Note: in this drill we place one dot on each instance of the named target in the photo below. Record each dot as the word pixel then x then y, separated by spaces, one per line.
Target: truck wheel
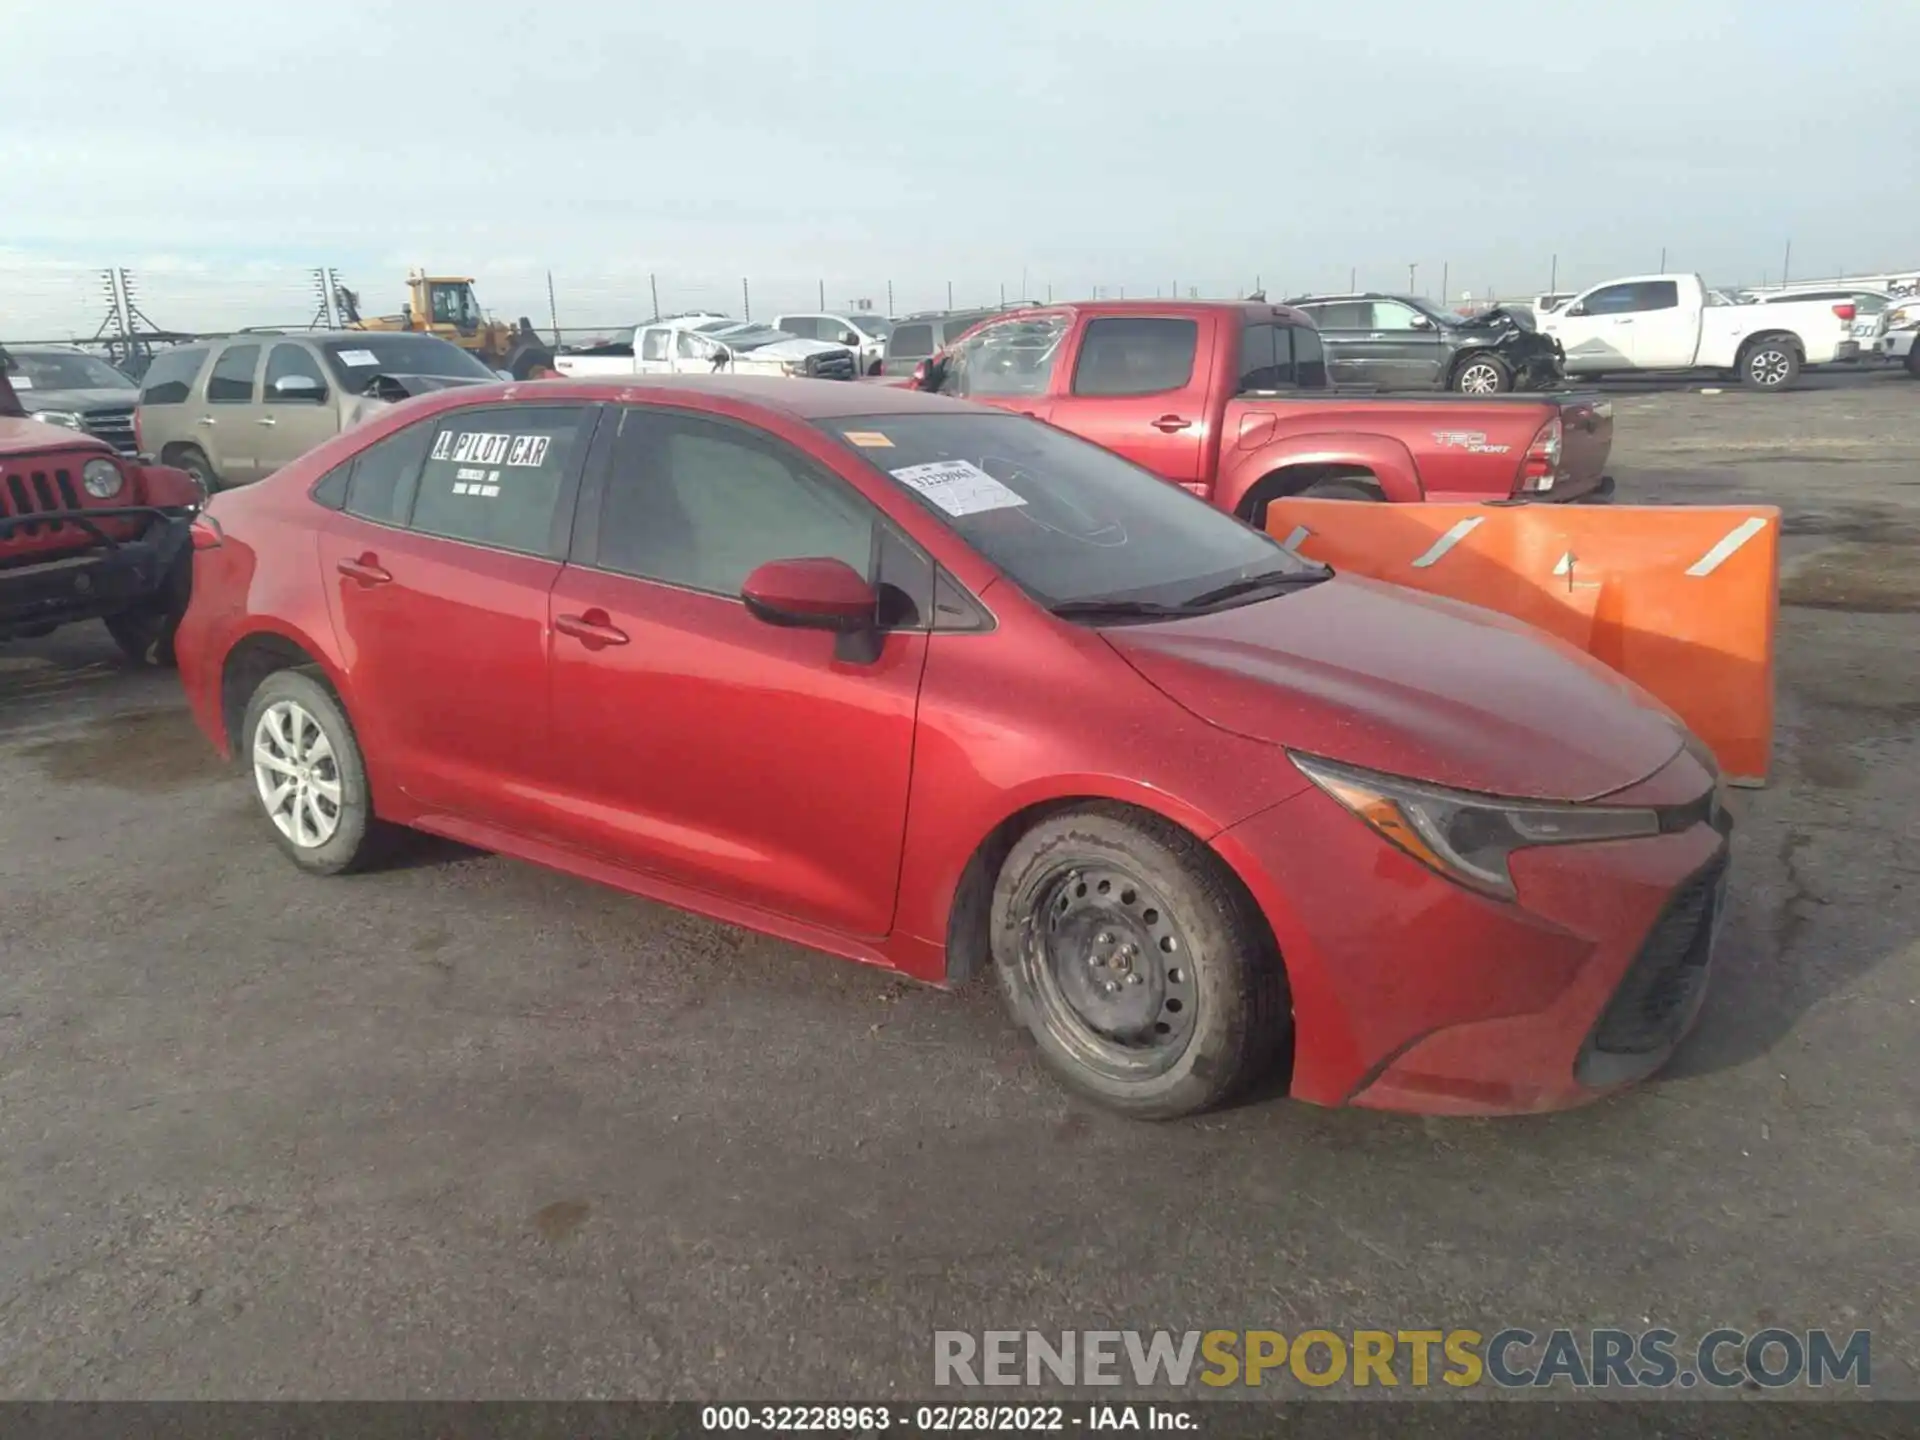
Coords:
pixel 301 753
pixel 193 460
pixel 1138 964
pixel 1483 375
pixel 1913 362
pixel 1339 490
pixel 1769 363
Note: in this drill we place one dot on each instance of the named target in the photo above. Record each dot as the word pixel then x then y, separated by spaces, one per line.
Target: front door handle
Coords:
pixel 595 629
pixel 367 569
pixel 269 420
pixel 204 420
pixel 1167 424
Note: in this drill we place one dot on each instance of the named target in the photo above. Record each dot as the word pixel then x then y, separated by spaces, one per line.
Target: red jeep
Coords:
pixel 86 533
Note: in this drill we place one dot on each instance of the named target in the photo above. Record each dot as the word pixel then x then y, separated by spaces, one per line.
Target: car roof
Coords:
pixel 795 398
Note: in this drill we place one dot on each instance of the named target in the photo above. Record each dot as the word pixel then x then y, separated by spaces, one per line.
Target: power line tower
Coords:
pixel 127 345
pixel 326 289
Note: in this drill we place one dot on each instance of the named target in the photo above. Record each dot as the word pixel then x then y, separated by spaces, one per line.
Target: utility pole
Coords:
pixel 553 311
pixel 1663 259
pixel 653 284
pixel 1787 263
pixel 949 295
pixel 1410 269
pixel 1023 284
pixel 823 294
pixel 1353 280
pixel 1049 292
pixel 1003 294
pixel 889 299
pixel 1446 270
pixel 746 300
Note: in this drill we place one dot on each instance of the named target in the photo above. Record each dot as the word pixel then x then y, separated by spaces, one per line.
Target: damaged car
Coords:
pixel 1401 342
pixel 87 533
pixel 231 411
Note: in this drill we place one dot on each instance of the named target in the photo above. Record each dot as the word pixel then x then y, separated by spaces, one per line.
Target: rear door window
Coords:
pixel 1342 314
pixel 805 326
pixel 1135 355
pixel 497 477
pixel 231 382
pixel 653 344
pixel 1280 357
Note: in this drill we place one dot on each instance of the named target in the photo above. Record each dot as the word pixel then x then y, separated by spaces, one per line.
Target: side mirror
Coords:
pixel 811 594
pixel 299 387
pixel 922 373
pixel 1421 322
pixel 1574 310
pixel 847 337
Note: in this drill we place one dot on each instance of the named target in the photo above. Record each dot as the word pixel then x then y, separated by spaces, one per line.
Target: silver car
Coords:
pixel 234 410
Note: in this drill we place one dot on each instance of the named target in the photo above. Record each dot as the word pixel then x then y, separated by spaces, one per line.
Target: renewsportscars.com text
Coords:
pixel 1509 1358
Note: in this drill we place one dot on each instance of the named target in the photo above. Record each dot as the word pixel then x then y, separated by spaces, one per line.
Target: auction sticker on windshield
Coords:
pixel 355 358
pixel 958 487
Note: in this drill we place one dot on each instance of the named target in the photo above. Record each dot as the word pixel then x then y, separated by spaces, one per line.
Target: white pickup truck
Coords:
pixel 710 344
pixel 1673 322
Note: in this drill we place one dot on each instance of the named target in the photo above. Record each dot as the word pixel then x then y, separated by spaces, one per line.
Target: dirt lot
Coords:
pixel 466 1128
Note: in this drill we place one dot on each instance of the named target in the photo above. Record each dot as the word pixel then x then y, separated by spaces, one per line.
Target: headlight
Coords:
pixel 102 478
pixel 68 418
pixel 793 367
pixel 1466 837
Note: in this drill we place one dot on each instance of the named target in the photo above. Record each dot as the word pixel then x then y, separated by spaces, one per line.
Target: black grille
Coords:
pixel 36 492
pixel 1656 998
pixel 113 424
pixel 833 365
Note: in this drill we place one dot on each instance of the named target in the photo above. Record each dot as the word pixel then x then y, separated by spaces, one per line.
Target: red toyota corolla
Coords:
pixel 936 687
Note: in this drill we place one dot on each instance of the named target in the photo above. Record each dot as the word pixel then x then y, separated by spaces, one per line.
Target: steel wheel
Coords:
pixel 1480 378
pixel 297 774
pixel 1769 367
pixel 1108 962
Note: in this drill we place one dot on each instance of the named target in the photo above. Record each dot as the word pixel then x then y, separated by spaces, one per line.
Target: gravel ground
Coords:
pixel 464 1128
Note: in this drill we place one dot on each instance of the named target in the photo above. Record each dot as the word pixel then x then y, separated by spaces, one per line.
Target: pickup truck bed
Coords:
pixel 1230 400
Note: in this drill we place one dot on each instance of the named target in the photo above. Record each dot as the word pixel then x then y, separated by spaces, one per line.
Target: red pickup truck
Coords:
pixel 1231 401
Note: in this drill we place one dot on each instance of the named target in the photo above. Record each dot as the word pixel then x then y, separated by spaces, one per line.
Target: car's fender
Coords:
pixel 1390 461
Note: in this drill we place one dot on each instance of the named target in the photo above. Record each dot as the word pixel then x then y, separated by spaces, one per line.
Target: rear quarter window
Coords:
pixel 169 379
pixel 911 342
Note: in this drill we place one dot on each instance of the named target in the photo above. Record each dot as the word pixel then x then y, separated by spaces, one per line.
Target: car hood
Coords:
pixel 30 437
pixel 81 400
pixel 1410 684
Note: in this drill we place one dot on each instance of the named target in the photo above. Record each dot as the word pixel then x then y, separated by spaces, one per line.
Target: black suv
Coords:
pixel 1397 342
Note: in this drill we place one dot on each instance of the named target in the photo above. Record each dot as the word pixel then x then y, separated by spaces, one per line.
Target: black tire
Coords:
pixel 1340 490
pixel 1769 363
pixel 145 635
pixel 193 460
pixel 358 839
pixel 1490 375
pixel 1159 995
pixel 1913 362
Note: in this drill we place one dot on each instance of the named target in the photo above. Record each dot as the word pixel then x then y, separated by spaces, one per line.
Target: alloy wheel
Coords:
pixel 297 774
pixel 1479 380
pixel 1769 367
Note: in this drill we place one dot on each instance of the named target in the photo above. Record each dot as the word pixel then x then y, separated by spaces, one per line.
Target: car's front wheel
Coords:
pixel 308 774
pixel 1483 375
pixel 1138 963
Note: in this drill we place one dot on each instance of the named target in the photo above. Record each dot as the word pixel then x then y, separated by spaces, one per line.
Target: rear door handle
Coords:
pixel 595 629
pixel 367 570
pixel 1167 424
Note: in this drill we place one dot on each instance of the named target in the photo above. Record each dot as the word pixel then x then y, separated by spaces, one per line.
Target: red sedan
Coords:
pixel 937 687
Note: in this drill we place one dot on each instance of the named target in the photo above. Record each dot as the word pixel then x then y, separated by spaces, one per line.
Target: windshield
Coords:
pixel 877 326
pixel 1065 520
pixel 749 337
pixel 57 370
pixel 358 360
pixel 714 327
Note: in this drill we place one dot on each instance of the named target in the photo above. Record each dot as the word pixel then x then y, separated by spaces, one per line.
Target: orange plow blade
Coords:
pixel 1680 599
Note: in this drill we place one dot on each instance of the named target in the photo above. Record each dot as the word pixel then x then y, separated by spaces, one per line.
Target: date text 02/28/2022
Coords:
pixel 945 1419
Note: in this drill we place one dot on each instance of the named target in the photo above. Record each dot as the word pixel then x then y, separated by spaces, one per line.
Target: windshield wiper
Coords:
pixel 1275 580
pixel 1097 609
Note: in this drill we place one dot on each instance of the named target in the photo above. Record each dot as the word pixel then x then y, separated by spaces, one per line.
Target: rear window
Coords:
pixel 910 342
pixel 1280 357
pixel 169 379
pixel 1135 355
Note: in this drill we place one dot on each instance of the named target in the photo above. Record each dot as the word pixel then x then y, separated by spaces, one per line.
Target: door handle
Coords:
pixel 204 420
pixel 1167 424
pixel 367 570
pixel 269 420
pixel 1623 320
pixel 595 629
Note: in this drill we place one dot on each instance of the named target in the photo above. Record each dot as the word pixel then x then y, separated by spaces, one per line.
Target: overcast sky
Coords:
pixel 1126 142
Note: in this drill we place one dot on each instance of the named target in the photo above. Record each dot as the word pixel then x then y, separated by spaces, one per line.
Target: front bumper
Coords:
pixel 104 579
pixel 1897 344
pixel 1412 993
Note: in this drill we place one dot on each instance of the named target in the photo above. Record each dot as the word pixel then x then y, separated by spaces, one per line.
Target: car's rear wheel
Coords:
pixel 1769 363
pixel 1138 963
pixel 1483 375
pixel 308 774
